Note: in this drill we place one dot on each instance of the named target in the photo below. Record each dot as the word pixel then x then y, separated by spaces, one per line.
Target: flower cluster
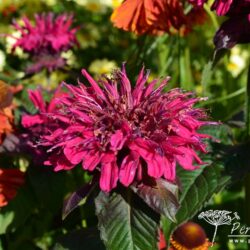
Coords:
pixel 46 40
pixel 125 134
pixel 156 17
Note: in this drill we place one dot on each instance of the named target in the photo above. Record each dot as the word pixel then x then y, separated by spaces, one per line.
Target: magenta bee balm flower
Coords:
pixel 46 40
pixel 126 134
pixel 222 6
pixel 40 124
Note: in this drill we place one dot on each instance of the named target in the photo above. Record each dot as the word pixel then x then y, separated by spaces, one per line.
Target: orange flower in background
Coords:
pixel 5 95
pixel 197 16
pixel 162 244
pixel 150 16
pixel 10 181
pixel 6 116
pixel 6 122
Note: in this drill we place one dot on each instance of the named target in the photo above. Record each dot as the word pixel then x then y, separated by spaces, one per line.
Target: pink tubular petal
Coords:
pixel 128 169
pixel 54 136
pixel 126 89
pixel 147 151
pixel 222 6
pixel 31 120
pixel 156 166
pixel 74 151
pixel 94 84
pixel 140 83
pixel 117 140
pixel 186 160
pixel 59 162
pixel 170 169
pixel 37 99
pixel 109 176
pixel 91 160
pixel 142 147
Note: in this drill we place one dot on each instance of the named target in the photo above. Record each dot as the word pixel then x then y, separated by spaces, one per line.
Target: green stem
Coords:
pixel 212 16
pixel 247 178
pixel 248 105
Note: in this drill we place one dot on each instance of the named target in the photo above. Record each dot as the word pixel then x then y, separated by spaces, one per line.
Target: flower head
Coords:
pixel 10 181
pixel 151 16
pixel 126 134
pixel 46 39
pixel 190 236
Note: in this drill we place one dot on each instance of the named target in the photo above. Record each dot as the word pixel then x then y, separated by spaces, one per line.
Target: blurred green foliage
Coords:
pixel 33 219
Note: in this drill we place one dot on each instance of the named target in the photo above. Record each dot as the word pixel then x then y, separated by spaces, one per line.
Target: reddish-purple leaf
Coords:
pixel 162 198
pixel 75 198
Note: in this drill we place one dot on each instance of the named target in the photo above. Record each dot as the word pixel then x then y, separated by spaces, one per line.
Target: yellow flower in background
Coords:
pixel 2 60
pixel 10 41
pixel 69 57
pixel 51 82
pixel 102 66
pixel 89 37
pixel 237 61
pixel 95 5
pixel 50 2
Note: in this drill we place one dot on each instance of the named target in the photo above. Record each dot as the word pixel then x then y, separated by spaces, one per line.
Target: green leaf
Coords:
pixel 198 187
pixel 163 197
pixel 5 221
pixel 126 222
pixel 222 133
pixel 186 78
pixel 206 77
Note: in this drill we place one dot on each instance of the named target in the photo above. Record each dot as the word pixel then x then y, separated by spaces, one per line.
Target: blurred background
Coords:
pixel 32 220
